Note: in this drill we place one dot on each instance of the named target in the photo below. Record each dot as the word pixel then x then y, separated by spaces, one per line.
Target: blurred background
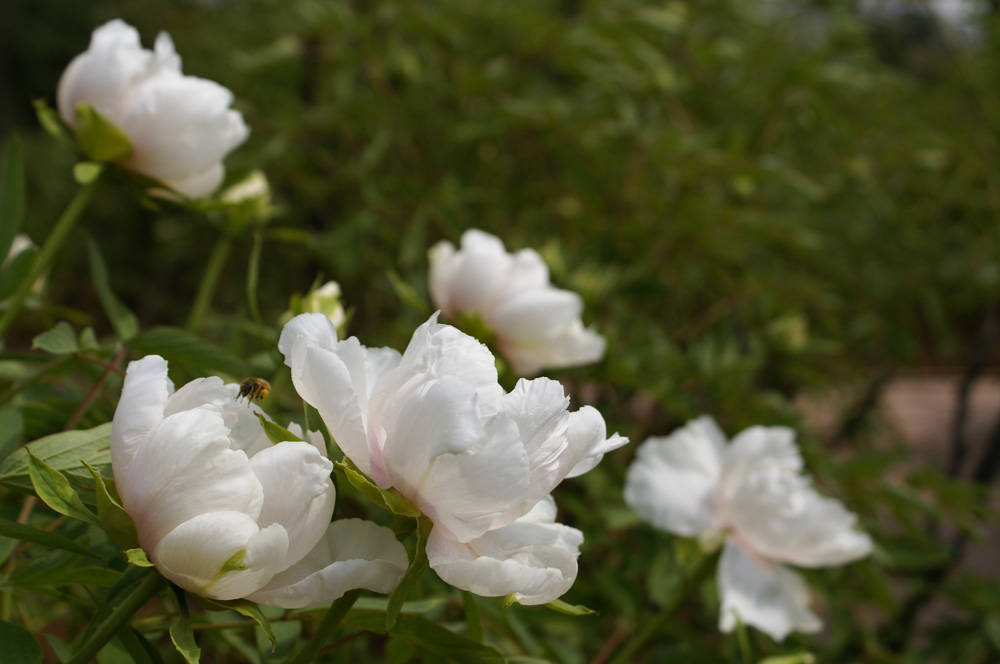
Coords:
pixel 778 212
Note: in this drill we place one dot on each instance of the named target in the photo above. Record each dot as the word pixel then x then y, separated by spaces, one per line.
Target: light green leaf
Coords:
pixel 137 557
pixel 181 633
pixel 86 172
pixel 11 193
pixel 178 346
pixel 19 646
pixel 275 432
pixel 114 519
pixel 53 488
pixel 570 609
pixel 65 452
pixel 60 340
pixel 388 499
pixel 416 569
pixel 122 320
pixel 99 138
pixel 51 122
pixel 798 658
pixel 43 537
pixel 246 608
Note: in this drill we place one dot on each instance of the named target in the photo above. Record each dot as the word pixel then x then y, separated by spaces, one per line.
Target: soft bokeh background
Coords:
pixel 774 210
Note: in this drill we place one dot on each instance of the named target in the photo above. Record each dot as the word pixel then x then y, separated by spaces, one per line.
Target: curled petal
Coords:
pixel 588 437
pixel 672 482
pixel 352 554
pixel 769 596
pixel 221 555
pixel 144 395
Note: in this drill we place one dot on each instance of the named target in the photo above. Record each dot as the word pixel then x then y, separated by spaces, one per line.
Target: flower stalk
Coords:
pixel 119 617
pixel 209 281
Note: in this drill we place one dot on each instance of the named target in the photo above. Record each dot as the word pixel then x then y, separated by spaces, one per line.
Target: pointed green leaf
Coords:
pixel 253 276
pixel 570 609
pixel 63 452
pixel 138 646
pixel 51 122
pixel 86 172
pixel 116 522
pixel 60 340
pixel 388 499
pixel 416 569
pixel 43 537
pixel 19 646
pixel 122 320
pixel 406 293
pixel 11 193
pixel 275 432
pixel 99 138
pixel 181 633
pixel 138 558
pixel 17 269
pixel 246 608
pixel 53 488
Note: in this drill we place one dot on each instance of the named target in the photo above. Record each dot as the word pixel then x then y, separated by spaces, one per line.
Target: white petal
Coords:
pixel 193 554
pixel 672 482
pixel 535 314
pixel 588 438
pixel 526 272
pixel 144 395
pixel 198 184
pixel 442 264
pixel 569 346
pixel 768 596
pixel 535 561
pixel 460 469
pixel 470 276
pixel 756 447
pixel 352 554
pixel 304 506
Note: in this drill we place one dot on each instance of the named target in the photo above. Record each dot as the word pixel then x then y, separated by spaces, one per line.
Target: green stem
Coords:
pixel 325 629
pixel 123 612
pixel 56 238
pixel 209 280
pixel 683 589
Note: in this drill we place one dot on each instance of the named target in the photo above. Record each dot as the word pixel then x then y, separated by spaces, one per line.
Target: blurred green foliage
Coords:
pixel 755 204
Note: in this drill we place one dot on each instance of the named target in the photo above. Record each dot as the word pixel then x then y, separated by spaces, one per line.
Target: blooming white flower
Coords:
pixel 435 424
pixel 180 126
pixel 692 483
pixel 536 325
pixel 224 513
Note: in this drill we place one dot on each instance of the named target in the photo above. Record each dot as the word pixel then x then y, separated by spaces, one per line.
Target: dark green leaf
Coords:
pixel 99 138
pixel 17 269
pixel 473 617
pixel 66 451
pixel 64 576
pixel 176 345
pixel 19 646
pixel 123 321
pixel 138 646
pixel 253 275
pixel 60 340
pixel 416 569
pixel 43 537
pixel 387 499
pixel 11 194
pixel 434 641
pixel 246 608
pixel 53 488
pixel 275 432
pixel 116 522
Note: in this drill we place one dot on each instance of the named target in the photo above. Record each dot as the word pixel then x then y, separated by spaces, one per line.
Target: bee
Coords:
pixel 254 389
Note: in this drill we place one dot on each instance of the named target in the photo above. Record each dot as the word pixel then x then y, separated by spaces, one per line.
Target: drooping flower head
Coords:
pixel 181 127
pixel 214 506
pixel 536 325
pixel 435 424
pixel 752 491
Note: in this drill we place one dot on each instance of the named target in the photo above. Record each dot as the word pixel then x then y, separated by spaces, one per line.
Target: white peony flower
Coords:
pixel 223 512
pixel 692 483
pixel 536 325
pixel 435 424
pixel 180 126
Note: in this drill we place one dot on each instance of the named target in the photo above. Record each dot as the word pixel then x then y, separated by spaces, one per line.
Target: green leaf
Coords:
pixel 798 658
pixel 138 646
pixel 63 575
pixel 11 429
pixel 246 608
pixel 181 633
pixel 99 138
pixel 406 294
pixel 137 557
pixel 473 617
pixel 570 609
pixel 275 432
pixel 65 452
pixel 86 172
pixel 53 488
pixel 388 499
pixel 19 646
pixel 253 276
pixel 435 642
pixel 416 569
pixel 178 346
pixel 60 340
pixel 116 522
pixel 122 320
pixel 51 122
pixel 43 537
pixel 17 270
pixel 11 193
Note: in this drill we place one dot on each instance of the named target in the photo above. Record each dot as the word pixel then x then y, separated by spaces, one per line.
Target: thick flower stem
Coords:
pixel 209 280
pixel 654 625
pixel 56 238
pixel 326 628
pixel 119 617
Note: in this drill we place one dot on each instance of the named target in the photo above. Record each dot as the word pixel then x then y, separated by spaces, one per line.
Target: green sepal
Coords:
pixel 181 632
pixel 55 490
pixel 388 499
pixel 99 138
pixel 275 432
pixel 509 600
pixel 86 172
pixel 417 567
pixel 246 608
pixel 114 519
pixel 570 609
pixel 137 557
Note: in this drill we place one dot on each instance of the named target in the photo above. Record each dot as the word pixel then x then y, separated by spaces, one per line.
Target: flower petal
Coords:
pixel 588 436
pixel 465 280
pixel 672 482
pixel 195 554
pixel 304 506
pixel 352 554
pixel 771 597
